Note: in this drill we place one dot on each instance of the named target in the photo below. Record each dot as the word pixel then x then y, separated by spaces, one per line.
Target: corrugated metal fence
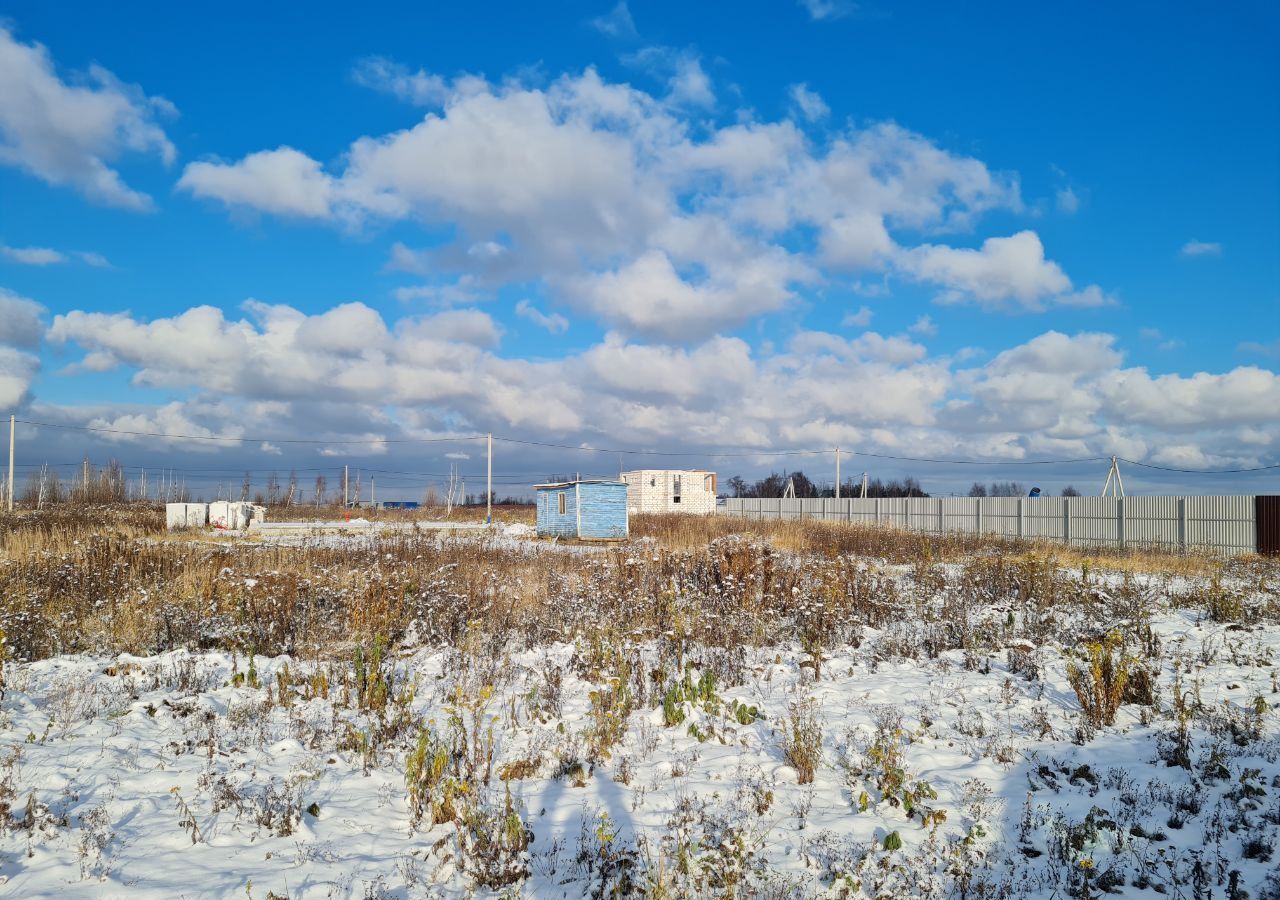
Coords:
pixel 1224 525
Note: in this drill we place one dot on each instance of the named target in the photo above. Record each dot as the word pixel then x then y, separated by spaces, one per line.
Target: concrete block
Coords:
pixel 220 514
pixel 185 515
pixel 197 515
pixel 175 515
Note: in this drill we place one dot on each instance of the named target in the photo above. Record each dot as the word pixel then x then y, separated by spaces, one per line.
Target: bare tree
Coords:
pixel 321 490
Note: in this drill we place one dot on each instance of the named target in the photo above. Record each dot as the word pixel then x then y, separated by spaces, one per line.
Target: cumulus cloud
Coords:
pixel 283 182
pixel 20 323
pixel 627 207
pixel 68 134
pixel 17 372
pixel 1056 394
pixel 649 297
pixel 1002 273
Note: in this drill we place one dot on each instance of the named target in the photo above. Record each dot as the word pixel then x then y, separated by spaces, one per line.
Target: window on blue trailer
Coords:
pixel 561 496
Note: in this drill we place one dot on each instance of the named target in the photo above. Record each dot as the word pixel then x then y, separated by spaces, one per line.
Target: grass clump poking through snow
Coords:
pixel 802 739
pixel 1100 680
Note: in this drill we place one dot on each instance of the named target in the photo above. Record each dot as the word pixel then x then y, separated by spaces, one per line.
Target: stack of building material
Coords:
pixel 235 516
pixel 186 515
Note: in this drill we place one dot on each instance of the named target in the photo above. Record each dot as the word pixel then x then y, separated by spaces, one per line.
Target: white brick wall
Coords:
pixel 655 490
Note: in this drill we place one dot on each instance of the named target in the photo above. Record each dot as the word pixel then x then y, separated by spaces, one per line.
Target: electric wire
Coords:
pixel 611 450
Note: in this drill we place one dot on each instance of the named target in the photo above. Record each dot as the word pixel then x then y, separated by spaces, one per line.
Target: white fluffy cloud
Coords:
pixel 627 206
pixel 1056 394
pixel 17 372
pixel 68 134
pixel 283 182
pixel 1004 270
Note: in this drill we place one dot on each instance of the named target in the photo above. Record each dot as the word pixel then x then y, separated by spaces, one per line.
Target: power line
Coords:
pixel 1198 471
pixel 981 462
pixel 250 440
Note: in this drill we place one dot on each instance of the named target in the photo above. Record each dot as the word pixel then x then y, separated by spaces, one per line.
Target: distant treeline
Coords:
pixel 775 484
pixel 1010 489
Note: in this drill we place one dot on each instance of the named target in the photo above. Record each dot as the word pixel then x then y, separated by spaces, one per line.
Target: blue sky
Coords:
pixel 1002 233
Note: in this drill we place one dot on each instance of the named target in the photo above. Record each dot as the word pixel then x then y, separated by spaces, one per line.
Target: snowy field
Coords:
pixel 923 738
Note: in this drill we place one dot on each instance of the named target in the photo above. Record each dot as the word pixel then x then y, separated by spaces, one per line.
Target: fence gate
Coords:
pixel 1267 512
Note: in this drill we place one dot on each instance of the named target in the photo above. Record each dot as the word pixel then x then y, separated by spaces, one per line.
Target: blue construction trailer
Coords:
pixel 592 510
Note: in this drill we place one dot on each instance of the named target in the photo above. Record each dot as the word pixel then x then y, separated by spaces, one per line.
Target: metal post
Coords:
pixel 1120 520
pixel 373 491
pixel 837 473
pixel 488 494
pixel 1182 523
pixel 12 427
pixel 977 506
pixel 1066 520
pixel 1021 513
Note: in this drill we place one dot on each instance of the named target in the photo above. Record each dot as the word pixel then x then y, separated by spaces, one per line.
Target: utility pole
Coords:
pixel 837 473
pixel 864 485
pixel 373 491
pixel 1118 490
pixel 12 426
pixel 488 494
pixel 345 495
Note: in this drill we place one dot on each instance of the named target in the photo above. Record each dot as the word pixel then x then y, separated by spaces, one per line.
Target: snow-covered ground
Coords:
pixel 967 774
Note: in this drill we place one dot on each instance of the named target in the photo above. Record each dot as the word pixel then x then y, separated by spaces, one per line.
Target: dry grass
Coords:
pixel 110 579
pixel 899 545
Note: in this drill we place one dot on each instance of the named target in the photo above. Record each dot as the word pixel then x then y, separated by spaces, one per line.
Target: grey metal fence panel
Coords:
pixel 999 515
pixel 1043 517
pixel 959 514
pixel 1225 522
pixel 1152 522
pixel 1095 521
pixel 1215 524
